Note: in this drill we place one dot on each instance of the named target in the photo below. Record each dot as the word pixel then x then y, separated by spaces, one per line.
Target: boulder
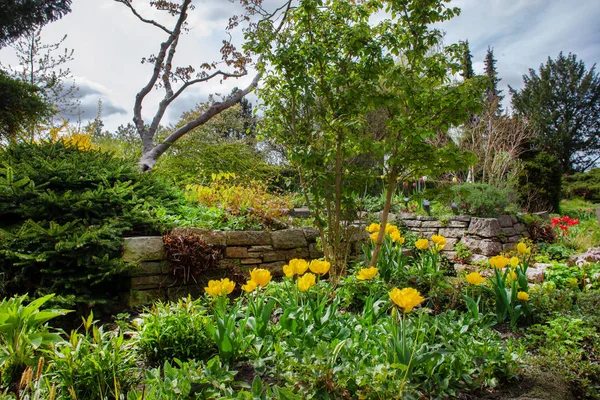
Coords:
pixel 484 227
pixel 505 221
pixel 249 238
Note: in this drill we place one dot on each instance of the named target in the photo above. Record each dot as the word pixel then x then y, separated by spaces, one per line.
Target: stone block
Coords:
pixel 255 254
pixel 412 223
pixel 236 252
pixel 213 238
pixel 276 267
pixel 357 233
pixel 310 233
pixel 286 255
pixel 149 268
pixel 137 298
pixel 151 281
pixel 451 256
pixel 519 228
pixel 407 216
pixel 452 232
pixel 431 224
pixel 461 218
pixel 143 248
pixel 505 221
pixel 300 212
pixel 175 293
pixel 514 239
pixel 288 239
pixel 484 227
pixel 248 261
pixel 458 224
pixel 259 248
pixel 509 231
pixel 248 238
pixel 450 243
pixel 314 252
pixel 426 218
pixel 490 247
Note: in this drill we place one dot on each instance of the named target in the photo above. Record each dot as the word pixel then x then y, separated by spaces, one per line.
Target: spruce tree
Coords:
pixel 493 96
pixel 467 62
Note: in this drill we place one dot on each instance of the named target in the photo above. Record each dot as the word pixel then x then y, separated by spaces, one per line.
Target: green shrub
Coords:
pixel 480 199
pixel 63 213
pixel 540 183
pixel 583 184
pixel 174 330
pixel 96 365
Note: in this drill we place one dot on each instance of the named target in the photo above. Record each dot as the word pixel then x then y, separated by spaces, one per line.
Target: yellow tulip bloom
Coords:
pixel 374 236
pixel 523 296
pixel 221 287
pixel 261 276
pixel 422 244
pixel 438 239
pixel 249 286
pixel 397 237
pixel 319 267
pixel 367 273
pixel 299 266
pixel 523 249
pixel 514 261
pixel 475 278
pixel 407 298
pixel 288 270
pixel 373 228
pixel 498 262
pixel 306 281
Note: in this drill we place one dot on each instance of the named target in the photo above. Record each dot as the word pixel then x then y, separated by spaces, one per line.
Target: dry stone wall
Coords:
pixel 484 237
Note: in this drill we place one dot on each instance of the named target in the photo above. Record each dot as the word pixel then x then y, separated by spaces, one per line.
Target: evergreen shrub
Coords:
pixel 480 200
pixel 63 214
pixel 540 183
pixel 585 185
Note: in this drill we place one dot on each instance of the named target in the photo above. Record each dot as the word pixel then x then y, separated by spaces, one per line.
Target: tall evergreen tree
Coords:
pixel 467 61
pixel 493 95
pixel 562 103
pixel 22 16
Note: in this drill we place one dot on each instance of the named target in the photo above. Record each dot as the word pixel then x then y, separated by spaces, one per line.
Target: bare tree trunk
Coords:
pixel 384 216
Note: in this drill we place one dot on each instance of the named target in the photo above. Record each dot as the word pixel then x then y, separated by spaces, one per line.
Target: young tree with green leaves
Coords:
pixel 561 102
pixel 330 68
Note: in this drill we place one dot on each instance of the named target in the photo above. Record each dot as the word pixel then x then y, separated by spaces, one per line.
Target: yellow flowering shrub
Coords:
pixel 367 273
pixel 406 299
pixel 475 278
pixel 221 287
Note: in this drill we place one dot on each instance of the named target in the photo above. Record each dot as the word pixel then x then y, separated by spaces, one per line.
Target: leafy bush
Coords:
pixel 96 365
pixel 480 199
pixel 23 334
pixel 585 185
pixel 63 213
pixel 174 330
pixel 540 183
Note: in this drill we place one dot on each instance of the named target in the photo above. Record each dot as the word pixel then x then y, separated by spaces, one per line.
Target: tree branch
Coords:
pixel 147 21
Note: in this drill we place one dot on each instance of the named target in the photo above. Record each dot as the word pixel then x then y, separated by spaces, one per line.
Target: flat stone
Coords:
pixel 452 232
pixel 412 223
pixel 458 224
pixel 236 252
pixel 407 216
pixel 519 228
pixel 477 258
pixel 151 281
pixel 514 239
pixel 248 238
pixel 536 275
pixel 461 218
pixel 451 256
pixel 210 237
pixel 286 255
pixel 300 212
pixel 427 232
pixel 450 243
pixel 510 231
pixel 426 218
pixel 484 227
pixel 288 239
pixel 314 252
pixel 310 233
pixel 255 254
pixel 260 248
pixel 276 268
pixel 149 268
pixel 490 247
pixel 431 224
pixel 143 248
pixel 246 261
pixel 505 221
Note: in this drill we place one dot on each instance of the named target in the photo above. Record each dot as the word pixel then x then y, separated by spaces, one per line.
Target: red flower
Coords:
pixel 565 219
pixel 573 222
pixel 555 221
pixel 564 227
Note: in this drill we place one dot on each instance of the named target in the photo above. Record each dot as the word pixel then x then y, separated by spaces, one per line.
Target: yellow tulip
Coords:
pixel 299 266
pixel 249 286
pixel 319 267
pixel 422 244
pixel 397 237
pixel 523 249
pixel 498 262
pixel 373 228
pixel 261 276
pixel 438 239
pixel 389 228
pixel 511 276
pixel 407 298
pixel 374 236
pixel 306 281
pixel 221 287
pixel 475 278
pixel 514 261
pixel 288 270
pixel 523 296
pixel 367 273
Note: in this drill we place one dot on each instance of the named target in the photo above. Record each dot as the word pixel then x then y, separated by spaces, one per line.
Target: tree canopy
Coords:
pixel 22 16
pixel 562 103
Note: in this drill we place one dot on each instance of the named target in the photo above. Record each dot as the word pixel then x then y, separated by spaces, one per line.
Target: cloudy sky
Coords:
pixel 109 42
